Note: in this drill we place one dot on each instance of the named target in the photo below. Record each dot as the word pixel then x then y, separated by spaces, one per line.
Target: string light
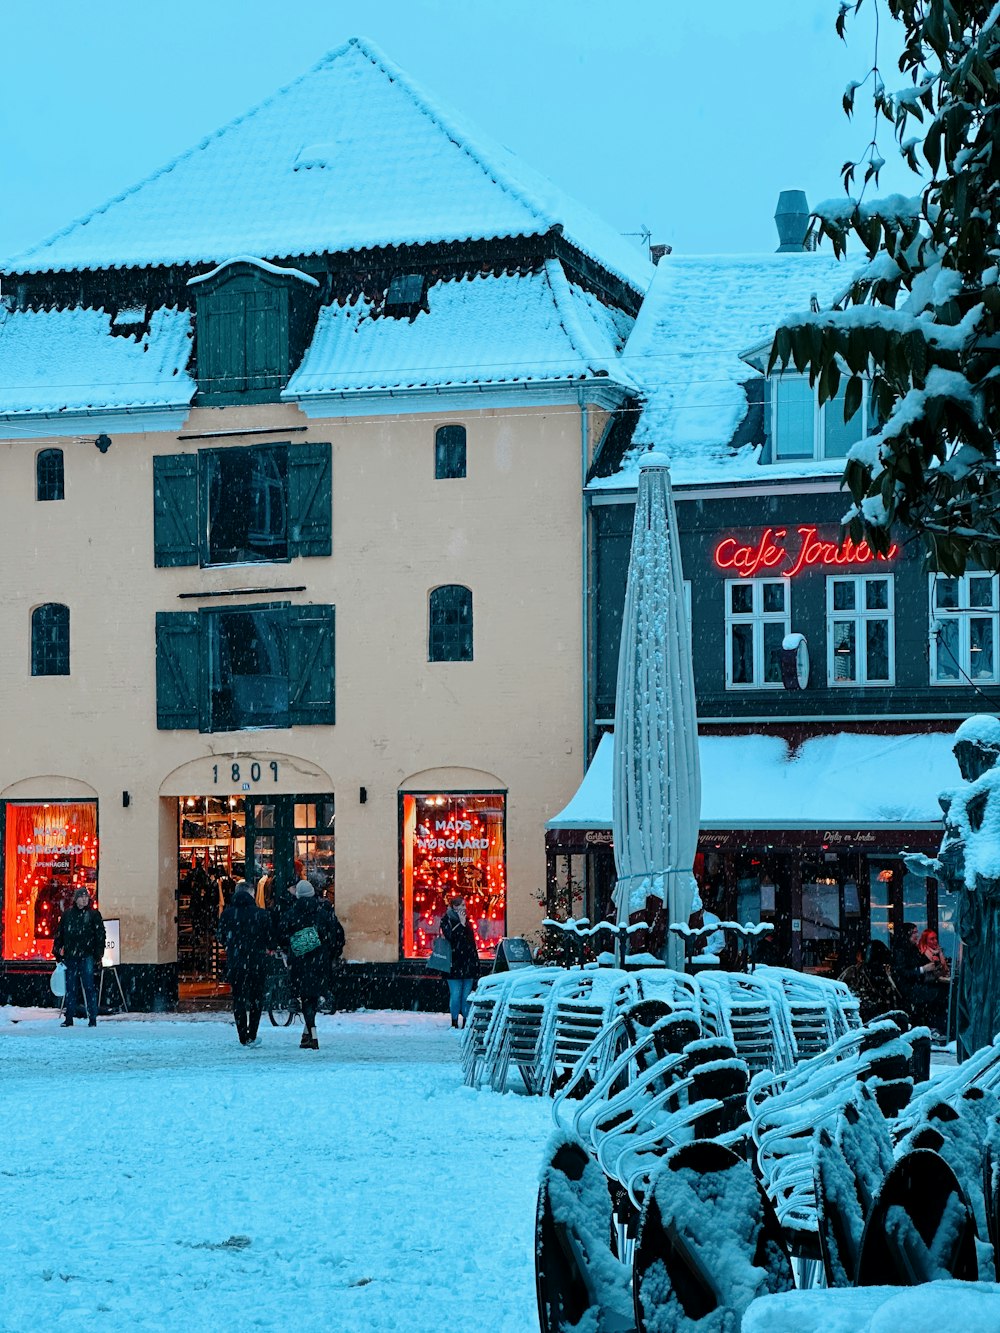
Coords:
pixel 50 853
pixel 459 850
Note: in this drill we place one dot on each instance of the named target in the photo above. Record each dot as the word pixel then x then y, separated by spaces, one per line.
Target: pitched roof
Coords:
pixel 69 361
pixel 511 328
pixel 349 156
pixel 700 313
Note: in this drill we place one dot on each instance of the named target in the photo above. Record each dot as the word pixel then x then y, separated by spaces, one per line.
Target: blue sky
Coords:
pixel 684 118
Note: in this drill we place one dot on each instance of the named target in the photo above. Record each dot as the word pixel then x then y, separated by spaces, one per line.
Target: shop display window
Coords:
pixel 50 850
pixel 453 844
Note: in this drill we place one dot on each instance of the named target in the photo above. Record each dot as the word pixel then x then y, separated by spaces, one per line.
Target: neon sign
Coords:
pixel 770 555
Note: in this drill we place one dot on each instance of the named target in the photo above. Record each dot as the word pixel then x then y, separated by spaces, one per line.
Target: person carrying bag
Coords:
pixel 463 961
pixel 308 936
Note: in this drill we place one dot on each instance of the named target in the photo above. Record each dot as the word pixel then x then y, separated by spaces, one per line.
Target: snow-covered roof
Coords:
pixel 845 780
pixel 69 361
pixel 700 314
pixel 511 328
pixel 351 155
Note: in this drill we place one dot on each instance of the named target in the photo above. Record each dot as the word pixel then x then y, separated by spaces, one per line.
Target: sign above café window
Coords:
pixel 778 552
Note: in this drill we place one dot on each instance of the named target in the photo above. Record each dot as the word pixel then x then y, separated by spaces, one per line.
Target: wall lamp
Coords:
pixel 362 795
pixel 103 442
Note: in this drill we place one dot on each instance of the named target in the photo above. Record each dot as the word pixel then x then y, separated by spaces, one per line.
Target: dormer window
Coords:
pixel 405 293
pixel 251 327
pixel 801 428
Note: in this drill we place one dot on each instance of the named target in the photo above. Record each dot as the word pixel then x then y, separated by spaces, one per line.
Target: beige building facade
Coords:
pixel 294 438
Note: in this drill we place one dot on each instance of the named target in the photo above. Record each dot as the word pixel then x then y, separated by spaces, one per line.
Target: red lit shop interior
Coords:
pixel 813 839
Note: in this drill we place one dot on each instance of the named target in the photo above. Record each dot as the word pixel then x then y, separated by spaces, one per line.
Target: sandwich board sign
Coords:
pixel 512 952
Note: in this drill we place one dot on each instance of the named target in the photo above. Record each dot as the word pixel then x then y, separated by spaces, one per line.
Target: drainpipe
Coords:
pixel 584 570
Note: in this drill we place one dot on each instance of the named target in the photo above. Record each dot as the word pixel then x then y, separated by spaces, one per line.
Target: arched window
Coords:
pixel 50 640
pixel 449 452
pixel 49 482
pixel 449 637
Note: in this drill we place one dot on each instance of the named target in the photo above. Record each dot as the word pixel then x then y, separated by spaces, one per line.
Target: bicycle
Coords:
pixel 283 1008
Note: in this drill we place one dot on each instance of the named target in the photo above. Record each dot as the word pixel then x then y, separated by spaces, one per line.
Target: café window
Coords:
pixel 453 844
pixel 242 505
pixel 964 615
pixel 49 478
pixel 860 641
pixel 802 428
pixel 757 620
pixel 50 850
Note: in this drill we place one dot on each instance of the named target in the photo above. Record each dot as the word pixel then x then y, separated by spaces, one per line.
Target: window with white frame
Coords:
pixel 801 428
pixel 964 629
pixel 860 642
pixel 757 620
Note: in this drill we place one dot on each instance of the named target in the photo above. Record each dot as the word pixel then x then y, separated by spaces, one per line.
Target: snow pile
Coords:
pixel 700 314
pixel 403 171
pixel 974 1307
pixel 69 361
pixel 846 779
pixel 157 1175
pixel 476 331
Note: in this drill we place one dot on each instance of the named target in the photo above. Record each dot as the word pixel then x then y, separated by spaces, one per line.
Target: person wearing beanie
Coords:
pixel 79 943
pixel 307 934
pixel 245 934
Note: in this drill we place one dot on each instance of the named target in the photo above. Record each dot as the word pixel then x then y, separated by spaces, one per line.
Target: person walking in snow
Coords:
pixel 245 934
pixel 307 934
pixel 464 959
pixel 79 943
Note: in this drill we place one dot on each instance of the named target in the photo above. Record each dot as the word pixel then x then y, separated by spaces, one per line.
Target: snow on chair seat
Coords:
pixel 785 1110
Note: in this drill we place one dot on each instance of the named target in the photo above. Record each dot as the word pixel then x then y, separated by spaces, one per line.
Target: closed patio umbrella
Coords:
pixel 657 782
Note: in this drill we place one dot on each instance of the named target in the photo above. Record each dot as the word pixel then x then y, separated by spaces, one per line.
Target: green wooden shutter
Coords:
pixel 310 499
pixel 222 365
pixel 266 338
pixel 311 665
pixel 175 510
pixel 177 670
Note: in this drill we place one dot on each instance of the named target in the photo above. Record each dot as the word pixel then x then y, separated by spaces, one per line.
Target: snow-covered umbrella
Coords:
pixel 657 780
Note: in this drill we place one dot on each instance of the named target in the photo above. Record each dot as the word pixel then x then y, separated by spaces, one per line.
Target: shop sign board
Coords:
pixel 512 953
pixel 113 943
pixel 774 552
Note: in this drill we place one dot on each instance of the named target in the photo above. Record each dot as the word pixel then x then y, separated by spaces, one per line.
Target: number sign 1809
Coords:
pixel 244 771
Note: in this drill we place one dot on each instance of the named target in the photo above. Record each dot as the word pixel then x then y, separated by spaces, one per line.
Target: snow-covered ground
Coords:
pixel 156 1175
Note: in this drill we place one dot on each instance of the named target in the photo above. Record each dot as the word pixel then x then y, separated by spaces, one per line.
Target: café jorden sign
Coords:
pixel 780 551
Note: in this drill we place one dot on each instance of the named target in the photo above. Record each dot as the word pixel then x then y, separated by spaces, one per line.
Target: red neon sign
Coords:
pixel 768 555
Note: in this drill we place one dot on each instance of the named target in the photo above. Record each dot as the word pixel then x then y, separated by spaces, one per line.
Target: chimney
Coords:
pixel 792 220
pixel 656 252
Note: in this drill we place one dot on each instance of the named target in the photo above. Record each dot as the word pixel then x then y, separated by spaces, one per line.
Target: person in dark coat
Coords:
pixel 245 934
pixel 871 981
pixel 912 973
pixel 464 959
pixel 79 943
pixel 307 933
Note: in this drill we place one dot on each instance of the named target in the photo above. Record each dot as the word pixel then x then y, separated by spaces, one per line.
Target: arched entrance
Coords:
pixel 262 816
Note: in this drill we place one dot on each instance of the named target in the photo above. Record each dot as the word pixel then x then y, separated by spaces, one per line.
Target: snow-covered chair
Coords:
pixel 819 1009
pixel 752 1014
pixel 580 1006
pixel 516 1035
pixel 981 1070
pixel 482 1024
pixel 786 1108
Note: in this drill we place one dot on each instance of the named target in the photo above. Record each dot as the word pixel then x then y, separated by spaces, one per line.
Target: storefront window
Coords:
pixel 821 923
pixel 49 851
pixel 453 844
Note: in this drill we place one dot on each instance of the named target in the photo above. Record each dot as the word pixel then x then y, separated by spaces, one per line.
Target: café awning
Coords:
pixel 844 780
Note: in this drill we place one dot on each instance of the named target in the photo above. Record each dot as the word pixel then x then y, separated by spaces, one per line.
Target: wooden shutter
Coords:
pixel 175 510
pixel 310 499
pixel 222 366
pixel 311 665
pixel 266 338
pixel 177 670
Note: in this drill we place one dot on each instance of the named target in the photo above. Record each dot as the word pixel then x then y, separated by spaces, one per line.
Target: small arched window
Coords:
pixel 449 452
pixel 50 640
pixel 49 480
pixel 449 637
